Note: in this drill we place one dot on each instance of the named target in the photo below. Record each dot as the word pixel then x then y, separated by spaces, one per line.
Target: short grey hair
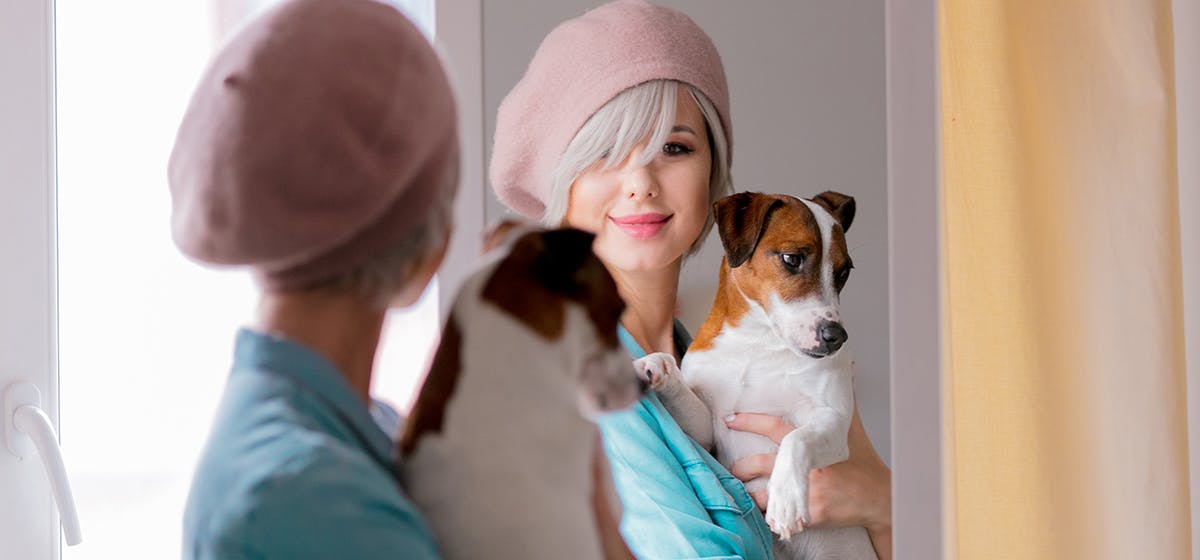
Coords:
pixel 382 277
pixel 643 111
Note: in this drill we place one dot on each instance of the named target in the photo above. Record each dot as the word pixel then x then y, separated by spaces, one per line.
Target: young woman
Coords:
pixel 319 150
pixel 621 127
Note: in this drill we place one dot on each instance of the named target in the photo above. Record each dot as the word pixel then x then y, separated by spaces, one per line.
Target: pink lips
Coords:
pixel 641 225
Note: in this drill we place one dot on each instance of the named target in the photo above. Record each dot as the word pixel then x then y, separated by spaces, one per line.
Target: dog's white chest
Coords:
pixel 777 382
pixel 740 375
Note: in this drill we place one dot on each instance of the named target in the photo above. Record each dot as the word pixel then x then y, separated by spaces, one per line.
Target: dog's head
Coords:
pixel 789 257
pixel 552 283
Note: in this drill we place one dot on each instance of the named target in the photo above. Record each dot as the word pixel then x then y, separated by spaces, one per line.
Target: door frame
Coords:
pixel 914 255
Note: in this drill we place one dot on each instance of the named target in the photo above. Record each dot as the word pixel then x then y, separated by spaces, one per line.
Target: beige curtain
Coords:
pixel 1065 389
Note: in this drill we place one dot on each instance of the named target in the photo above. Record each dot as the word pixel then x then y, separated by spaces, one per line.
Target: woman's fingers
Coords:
pixel 854 492
pixel 773 427
pixel 751 467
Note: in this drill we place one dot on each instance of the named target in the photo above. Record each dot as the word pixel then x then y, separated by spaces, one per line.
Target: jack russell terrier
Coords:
pixel 773 343
pixel 499 453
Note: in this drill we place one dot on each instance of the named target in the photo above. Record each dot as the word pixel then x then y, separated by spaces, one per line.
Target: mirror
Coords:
pixel 807 90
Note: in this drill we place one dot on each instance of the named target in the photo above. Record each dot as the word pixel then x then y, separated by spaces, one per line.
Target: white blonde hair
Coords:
pixel 645 111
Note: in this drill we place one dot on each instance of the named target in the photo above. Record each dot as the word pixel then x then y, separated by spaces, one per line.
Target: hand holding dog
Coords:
pixel 855 492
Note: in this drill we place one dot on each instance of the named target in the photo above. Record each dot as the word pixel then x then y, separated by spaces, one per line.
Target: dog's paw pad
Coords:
pixel 657 369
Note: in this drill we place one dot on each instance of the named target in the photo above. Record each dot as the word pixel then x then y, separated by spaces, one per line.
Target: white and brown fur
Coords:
pixel 773 343
pixel 499 453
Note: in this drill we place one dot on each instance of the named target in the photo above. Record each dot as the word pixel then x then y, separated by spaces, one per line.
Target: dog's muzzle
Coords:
pixel 830 338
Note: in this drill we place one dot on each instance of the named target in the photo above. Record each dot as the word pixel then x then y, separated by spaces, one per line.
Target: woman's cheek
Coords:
pixel 584 208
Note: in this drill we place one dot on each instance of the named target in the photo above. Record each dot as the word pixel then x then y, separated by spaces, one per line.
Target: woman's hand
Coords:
pixel 855 492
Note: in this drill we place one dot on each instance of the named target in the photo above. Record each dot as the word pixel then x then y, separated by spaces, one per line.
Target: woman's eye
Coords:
pixel 792 260
pixel 676 149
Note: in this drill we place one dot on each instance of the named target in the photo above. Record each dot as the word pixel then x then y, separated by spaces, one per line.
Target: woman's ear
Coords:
pixel 740 218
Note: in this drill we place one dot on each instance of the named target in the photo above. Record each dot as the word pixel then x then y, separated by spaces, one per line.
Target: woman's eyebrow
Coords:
pixel 682 128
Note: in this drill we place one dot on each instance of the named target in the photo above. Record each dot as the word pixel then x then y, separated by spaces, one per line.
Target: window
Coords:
pixel 146 336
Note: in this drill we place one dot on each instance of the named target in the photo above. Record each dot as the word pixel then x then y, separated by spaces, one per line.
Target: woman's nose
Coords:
pixel 640 183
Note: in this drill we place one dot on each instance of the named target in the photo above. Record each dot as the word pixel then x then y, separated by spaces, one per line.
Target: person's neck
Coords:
pixel 650 306
pixel 343 329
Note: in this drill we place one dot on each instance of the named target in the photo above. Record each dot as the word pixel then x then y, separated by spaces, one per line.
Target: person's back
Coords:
pixel 296 468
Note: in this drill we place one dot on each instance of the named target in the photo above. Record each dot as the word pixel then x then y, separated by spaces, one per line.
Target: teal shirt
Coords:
pixel 295 468
pixel 678 501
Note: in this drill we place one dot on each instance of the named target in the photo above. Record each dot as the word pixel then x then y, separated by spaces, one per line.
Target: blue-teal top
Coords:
pixel 679 501
pixel 296 468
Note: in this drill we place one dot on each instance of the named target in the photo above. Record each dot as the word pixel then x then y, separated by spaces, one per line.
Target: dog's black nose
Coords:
pixel 832 336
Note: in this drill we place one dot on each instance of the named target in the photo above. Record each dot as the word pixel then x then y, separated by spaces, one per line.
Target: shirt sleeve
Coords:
pixel 668 506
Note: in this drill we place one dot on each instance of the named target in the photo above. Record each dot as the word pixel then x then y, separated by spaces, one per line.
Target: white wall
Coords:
pixel 807 92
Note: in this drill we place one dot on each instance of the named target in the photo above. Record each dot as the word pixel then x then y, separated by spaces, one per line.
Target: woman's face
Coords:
pixel 646 216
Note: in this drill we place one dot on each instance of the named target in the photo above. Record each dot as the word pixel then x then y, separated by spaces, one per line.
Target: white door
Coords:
pixel 94 298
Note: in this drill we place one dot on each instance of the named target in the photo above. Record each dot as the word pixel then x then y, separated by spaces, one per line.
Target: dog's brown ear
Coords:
pixel 499 234
pixel 740 219
pixel 839 205
pixel 545 269
pixel 571 268
pixel 516 287
pixel 567 250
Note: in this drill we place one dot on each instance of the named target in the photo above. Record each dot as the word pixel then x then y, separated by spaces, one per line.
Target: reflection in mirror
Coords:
pixel 806 85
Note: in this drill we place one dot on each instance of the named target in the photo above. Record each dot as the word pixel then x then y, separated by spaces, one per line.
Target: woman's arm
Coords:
pixel 855 492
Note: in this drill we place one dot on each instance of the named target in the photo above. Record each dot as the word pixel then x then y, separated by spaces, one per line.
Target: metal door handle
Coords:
pixel 28 430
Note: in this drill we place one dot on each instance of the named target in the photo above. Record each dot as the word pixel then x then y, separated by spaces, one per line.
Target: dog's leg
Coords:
pixel 820 442
pixel 662 373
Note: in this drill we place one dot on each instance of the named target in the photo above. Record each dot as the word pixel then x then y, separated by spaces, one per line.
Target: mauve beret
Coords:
pixel 318 137
pixel 581 65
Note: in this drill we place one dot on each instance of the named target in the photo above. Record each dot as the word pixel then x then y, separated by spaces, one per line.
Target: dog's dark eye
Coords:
pixel 792 260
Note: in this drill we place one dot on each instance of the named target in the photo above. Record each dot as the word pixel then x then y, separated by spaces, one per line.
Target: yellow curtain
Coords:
pixel 1065 385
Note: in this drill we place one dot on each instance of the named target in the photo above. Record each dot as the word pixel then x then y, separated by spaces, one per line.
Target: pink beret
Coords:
pixel 318 137
pixel 581 65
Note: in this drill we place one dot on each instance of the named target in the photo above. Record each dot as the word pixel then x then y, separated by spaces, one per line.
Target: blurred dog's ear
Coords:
pixel 839 205
pixel 740 219
pixel 517 289
pixel 501 234
pixel 570 267
pixel 542 271
pixel 566 251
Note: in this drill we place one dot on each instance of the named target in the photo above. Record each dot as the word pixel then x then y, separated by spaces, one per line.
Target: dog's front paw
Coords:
pixel 659 370
pixel 787 505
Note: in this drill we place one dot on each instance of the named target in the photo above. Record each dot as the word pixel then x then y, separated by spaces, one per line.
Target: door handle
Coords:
pixel 28 430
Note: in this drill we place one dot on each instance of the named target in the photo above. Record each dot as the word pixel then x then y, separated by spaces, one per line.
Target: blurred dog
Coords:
pixel 499 453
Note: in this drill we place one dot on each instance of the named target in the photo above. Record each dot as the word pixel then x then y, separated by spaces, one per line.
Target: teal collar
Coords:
pixel 680 334
pixel 273 353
